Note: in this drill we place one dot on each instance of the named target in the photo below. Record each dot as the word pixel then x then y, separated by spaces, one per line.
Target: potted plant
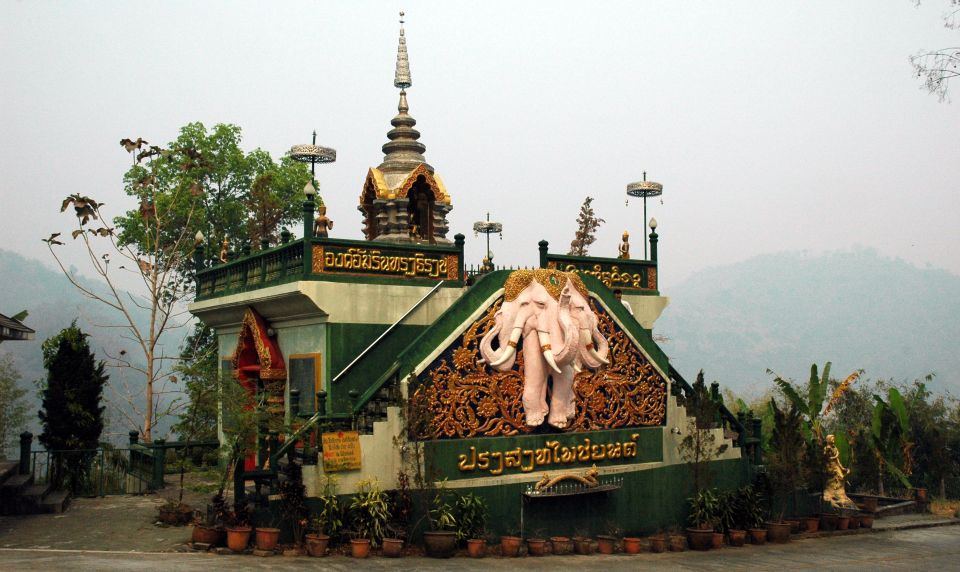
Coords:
pixel 327 521
pixel 678 541
pixel 209 529
pixel 750 513
pixel 658 543
pixel 704 507
pixel 293 502
pixel 267 537
pixel 471 517
pixel 866 520
pixel 441 540
pixel 582 543
pixel 561 545
pixel 632 544
pixel 238 527
pixel 369 512
pixel 510 544
pixel 787 453
pixel 537 544
pixel 607 543
pixel 477 546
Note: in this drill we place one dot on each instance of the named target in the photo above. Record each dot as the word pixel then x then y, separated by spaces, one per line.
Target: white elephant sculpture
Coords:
pixel 550 310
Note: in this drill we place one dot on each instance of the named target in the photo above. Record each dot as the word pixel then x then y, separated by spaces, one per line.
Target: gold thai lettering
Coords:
pixel 463 465
pixel 373 260
pixel 611 277
pixel 552 453
pixel 499 457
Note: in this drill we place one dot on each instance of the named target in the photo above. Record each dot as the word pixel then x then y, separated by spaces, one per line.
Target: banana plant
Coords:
pixel 889 437
pixel 814 405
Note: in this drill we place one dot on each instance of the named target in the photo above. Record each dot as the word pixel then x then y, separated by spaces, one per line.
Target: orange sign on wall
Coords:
pixel 341 451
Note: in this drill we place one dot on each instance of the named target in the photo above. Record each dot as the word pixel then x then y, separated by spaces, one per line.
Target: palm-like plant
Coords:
pixel 812 405
pixel 788 449
pixel 889 437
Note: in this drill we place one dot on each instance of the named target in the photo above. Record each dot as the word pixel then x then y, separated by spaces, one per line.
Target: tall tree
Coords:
pixel 71 413
pixel 587 225
pixel 156 259
pixel 245 196
pixel 936 68
pixel 13 407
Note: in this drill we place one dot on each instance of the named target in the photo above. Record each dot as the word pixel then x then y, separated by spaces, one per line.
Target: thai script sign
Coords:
pixel 623 274
pixel 341 451
pixel 552 453
pixel 372 261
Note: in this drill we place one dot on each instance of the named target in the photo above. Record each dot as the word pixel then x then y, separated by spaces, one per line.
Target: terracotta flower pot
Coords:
pixel 758 535
pixel 843 522
pixel 717 540
pixel 828 522
pixel 238 538
pixel 582 545
pixel 561 545
pixel 606 544
pixel 360 547
pixel 794 525
pixel 866 520
pixel 632 545
pixel 736 537
pixel 536 546
pixel 267 538
pixel 658 544
pixel 477 547
pixel 854 522
pixel 813 523
pixel 510 546
pixel 440 543
pixel 207 535
pixel 678 543
pixel 392 547
pixel 920 494
pixel 317 544
pixel 869 504
pixel 699 538
pixel 778 532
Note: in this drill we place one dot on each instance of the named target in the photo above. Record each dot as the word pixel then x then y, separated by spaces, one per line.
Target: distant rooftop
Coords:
pixel 11 329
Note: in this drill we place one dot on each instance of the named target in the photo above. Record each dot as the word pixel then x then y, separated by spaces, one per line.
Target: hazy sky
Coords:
pixel 772 125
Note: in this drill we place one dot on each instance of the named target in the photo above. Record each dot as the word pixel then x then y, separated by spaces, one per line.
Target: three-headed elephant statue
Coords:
pixel 549 310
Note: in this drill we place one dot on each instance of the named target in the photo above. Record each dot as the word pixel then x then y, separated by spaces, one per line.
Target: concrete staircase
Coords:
pixel 19 494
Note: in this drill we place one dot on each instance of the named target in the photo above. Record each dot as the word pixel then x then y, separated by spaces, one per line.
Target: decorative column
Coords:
pixel 653 239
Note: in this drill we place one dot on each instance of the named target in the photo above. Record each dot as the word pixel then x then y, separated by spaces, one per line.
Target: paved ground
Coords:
pixel 118 533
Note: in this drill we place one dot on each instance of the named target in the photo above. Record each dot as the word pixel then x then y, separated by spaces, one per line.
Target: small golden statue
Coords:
pixel 322 224
pixel 224 248
pixel 833 490
pixel 487 264
pixel 625 246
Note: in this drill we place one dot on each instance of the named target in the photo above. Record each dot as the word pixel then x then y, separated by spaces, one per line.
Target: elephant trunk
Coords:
pixel 593 357
pixel 503 358
pixel 570 337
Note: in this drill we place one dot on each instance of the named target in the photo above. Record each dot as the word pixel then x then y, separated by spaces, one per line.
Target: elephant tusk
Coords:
pixel 587 340
pixel 544 339
pixel 511 347
pixel 593 353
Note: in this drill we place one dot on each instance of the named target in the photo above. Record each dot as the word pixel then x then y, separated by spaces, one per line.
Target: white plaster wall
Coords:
pixel 378 303
pixel 647 309
pixel 379 458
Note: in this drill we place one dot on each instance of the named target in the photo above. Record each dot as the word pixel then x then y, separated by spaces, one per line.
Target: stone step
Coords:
pixel 10 492
pixel 55 502
pixel 8 469
pixel 32 497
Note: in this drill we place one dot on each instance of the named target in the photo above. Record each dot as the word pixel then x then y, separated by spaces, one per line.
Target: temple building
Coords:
pixel 379 357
